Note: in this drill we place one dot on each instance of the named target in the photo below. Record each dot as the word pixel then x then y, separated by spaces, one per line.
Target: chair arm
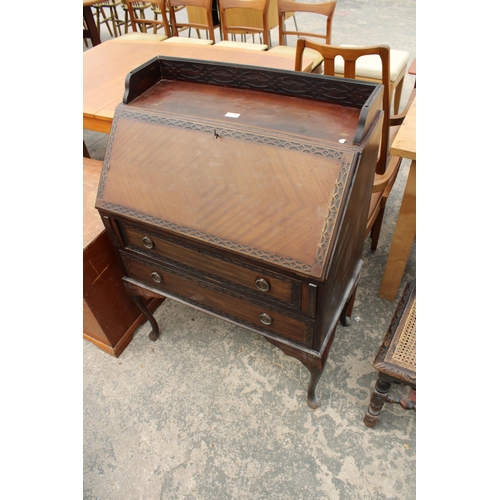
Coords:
pixel 399 118
pixel 386 180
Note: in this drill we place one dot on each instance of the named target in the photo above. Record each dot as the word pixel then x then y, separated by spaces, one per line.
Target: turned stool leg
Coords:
pixel 377 400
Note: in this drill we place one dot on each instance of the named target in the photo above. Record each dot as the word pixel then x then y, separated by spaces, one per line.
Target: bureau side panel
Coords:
pixel 345 264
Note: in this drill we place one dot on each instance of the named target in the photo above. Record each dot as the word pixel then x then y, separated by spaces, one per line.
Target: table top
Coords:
pixel 405 143
pixel 106 66
pixel 89 3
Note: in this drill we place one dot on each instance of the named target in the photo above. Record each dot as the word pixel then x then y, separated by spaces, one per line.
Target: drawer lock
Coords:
pixel 147 242
pixel 156 277
pixel 265 318
pixel 262 284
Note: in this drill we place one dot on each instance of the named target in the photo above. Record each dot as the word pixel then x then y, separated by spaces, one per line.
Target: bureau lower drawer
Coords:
pixel 243 310
pixel 258 281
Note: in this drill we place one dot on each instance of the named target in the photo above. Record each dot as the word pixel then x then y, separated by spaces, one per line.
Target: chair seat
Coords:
pixel 183 39
pixel 242 45
pixel 143 36
pixel 371 66
pixel 312 54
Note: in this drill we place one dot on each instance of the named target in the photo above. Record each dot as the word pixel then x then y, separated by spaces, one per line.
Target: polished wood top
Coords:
pixel 405 143
pixel 106 66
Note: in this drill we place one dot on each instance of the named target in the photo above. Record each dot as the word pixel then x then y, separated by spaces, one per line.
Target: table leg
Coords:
pixel 91 31
pixel 402 240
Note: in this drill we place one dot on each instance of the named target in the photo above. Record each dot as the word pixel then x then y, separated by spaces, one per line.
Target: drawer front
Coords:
pixel 258 281
pixel 208 295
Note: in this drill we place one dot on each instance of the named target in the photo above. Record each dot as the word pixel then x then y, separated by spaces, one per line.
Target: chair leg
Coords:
pixel 377 225
pixel 105 19
pixel 397 95
pixel 116 22
pixel 377 400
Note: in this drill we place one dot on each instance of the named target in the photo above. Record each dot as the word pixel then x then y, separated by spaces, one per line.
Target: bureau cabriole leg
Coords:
pixel 137 295
pixel 316 370
pixel 314 364
pixel 345 315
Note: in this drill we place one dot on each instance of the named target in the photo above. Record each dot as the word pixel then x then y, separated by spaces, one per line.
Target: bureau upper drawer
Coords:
pixel 261 282
pixel 220 301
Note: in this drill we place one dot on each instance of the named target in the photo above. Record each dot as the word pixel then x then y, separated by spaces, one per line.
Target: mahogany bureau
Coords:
pixel 243 192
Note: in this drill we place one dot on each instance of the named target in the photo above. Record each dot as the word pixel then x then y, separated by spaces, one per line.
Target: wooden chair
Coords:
pixel 199 19
pixel 319 10
pixel 112 16
pixel 396 359
pixel 140 9
pixel 140 23
pixel 387 165
pixel 369 68
pixel 158 14
pixel 251 18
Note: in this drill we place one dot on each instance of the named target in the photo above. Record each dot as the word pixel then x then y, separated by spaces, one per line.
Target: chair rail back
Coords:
pixel 262 6
pixel 291 6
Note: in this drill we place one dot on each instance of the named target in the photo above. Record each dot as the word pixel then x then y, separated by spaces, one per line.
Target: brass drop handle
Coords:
pixel 147 242
pixel 262 284
pixel 265 318
pixel 156 277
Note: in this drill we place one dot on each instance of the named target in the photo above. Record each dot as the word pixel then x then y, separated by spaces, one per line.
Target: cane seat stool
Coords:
pixel 396 359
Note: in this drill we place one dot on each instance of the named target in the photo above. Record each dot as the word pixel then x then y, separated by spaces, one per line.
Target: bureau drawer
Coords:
pixel 243 310
pixel 259 281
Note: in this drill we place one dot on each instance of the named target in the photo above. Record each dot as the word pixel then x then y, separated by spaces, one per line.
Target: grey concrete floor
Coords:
pixel 213 411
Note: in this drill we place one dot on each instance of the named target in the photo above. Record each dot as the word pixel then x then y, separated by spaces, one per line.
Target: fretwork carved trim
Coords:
pixel 345 158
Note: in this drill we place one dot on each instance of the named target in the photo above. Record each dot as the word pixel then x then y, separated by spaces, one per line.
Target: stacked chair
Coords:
pixel 286 8
pixel 111 17
pixel 200 18
pixel 140 24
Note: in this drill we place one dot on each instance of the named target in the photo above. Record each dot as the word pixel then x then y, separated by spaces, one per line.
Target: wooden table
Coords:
pixel 404 145
pixel 109 315
pixel 91 32
pixel 106 66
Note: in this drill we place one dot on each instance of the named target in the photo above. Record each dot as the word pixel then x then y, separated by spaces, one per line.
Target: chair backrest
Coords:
pixel 291 6
pixel 140 24
pixel 202 20
pixel 236 22
pixel 350 55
